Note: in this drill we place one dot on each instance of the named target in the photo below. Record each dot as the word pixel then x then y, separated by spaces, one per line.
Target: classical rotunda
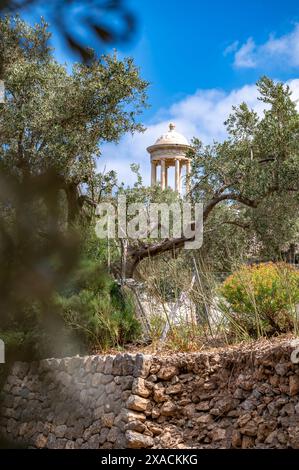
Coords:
pixel 170 150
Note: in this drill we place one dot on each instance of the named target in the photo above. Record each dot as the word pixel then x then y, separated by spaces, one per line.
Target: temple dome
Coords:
pixel 170 150
pixel 172 137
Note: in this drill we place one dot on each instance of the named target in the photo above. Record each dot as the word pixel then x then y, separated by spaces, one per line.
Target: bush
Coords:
pixel 185 337
pixel 261 299
pixel 91 313
pixel 94 305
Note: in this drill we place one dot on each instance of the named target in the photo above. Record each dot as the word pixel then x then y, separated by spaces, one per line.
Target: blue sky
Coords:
pixel 180 45
pixel 201 58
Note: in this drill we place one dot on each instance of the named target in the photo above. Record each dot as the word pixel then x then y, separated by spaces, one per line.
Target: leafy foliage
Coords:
pixel 51 126
pixel 261 299
pixel 98 309
pixel 249 182
pixel 53 119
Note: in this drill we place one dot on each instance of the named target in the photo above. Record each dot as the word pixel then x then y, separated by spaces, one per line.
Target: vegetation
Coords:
pixel 94 305
pixel 254 173
pixel 52 124
pixel 61 289
pixel 261 299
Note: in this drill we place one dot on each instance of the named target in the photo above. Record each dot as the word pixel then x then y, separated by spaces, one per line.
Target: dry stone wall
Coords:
pixel 234 398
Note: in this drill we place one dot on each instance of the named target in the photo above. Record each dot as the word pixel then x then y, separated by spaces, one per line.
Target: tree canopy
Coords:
pixel 52 125
pixel 254 172
pixel 55 121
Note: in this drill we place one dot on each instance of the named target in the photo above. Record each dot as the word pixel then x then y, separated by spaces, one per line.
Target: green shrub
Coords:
pixel 156 326
pixel 261 299
pixel 185 337
pixel 100 312
pixel 91 313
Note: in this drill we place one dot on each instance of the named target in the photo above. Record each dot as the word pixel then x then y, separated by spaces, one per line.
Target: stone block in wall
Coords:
pixel 141 388
pixel 20 369
pixel 294 384
pixel 108 367
pixel 136 440
pixel 142 366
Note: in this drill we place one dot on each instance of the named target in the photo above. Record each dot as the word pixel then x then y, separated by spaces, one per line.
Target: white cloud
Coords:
pixel 200 115
pixel 231 48
pixel 245 56
pixel 275 52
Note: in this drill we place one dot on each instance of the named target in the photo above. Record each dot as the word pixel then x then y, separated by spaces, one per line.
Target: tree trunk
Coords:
pixel 135 255
pixel 73 203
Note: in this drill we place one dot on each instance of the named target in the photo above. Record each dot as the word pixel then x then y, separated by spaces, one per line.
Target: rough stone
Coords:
pixel 41 441
pixel 293 433
pixel 218 434
pixel 174 389
pixel 294 385
pixel 247 442
pixel 142 366
pixel 64 378
pixel 113 434
pixel 166 373
pixel 250 429
pixel 137 403
pixel 108 368
pixel 136 440
pixel 281 369
pixel 139 388
pixel 94 442
pixel 136 426
pixel 96 380
pixel 107 420
pixel 159 393
pixel 106 379
pixel 70 445
pixel 103 435
pixel 60 430
pixel 51 442
pixel 168 408
pixel 20 369
pixel 236 439
pixel 156 412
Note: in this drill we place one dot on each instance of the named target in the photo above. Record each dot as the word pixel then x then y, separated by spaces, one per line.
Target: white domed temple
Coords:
pixel 170 150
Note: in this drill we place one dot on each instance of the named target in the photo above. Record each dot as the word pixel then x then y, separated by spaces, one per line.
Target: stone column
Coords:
pixel 177 175
pixel 180 176
pixel 154 173
pixel 166 177
pixel 188 169
pixel 163 167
